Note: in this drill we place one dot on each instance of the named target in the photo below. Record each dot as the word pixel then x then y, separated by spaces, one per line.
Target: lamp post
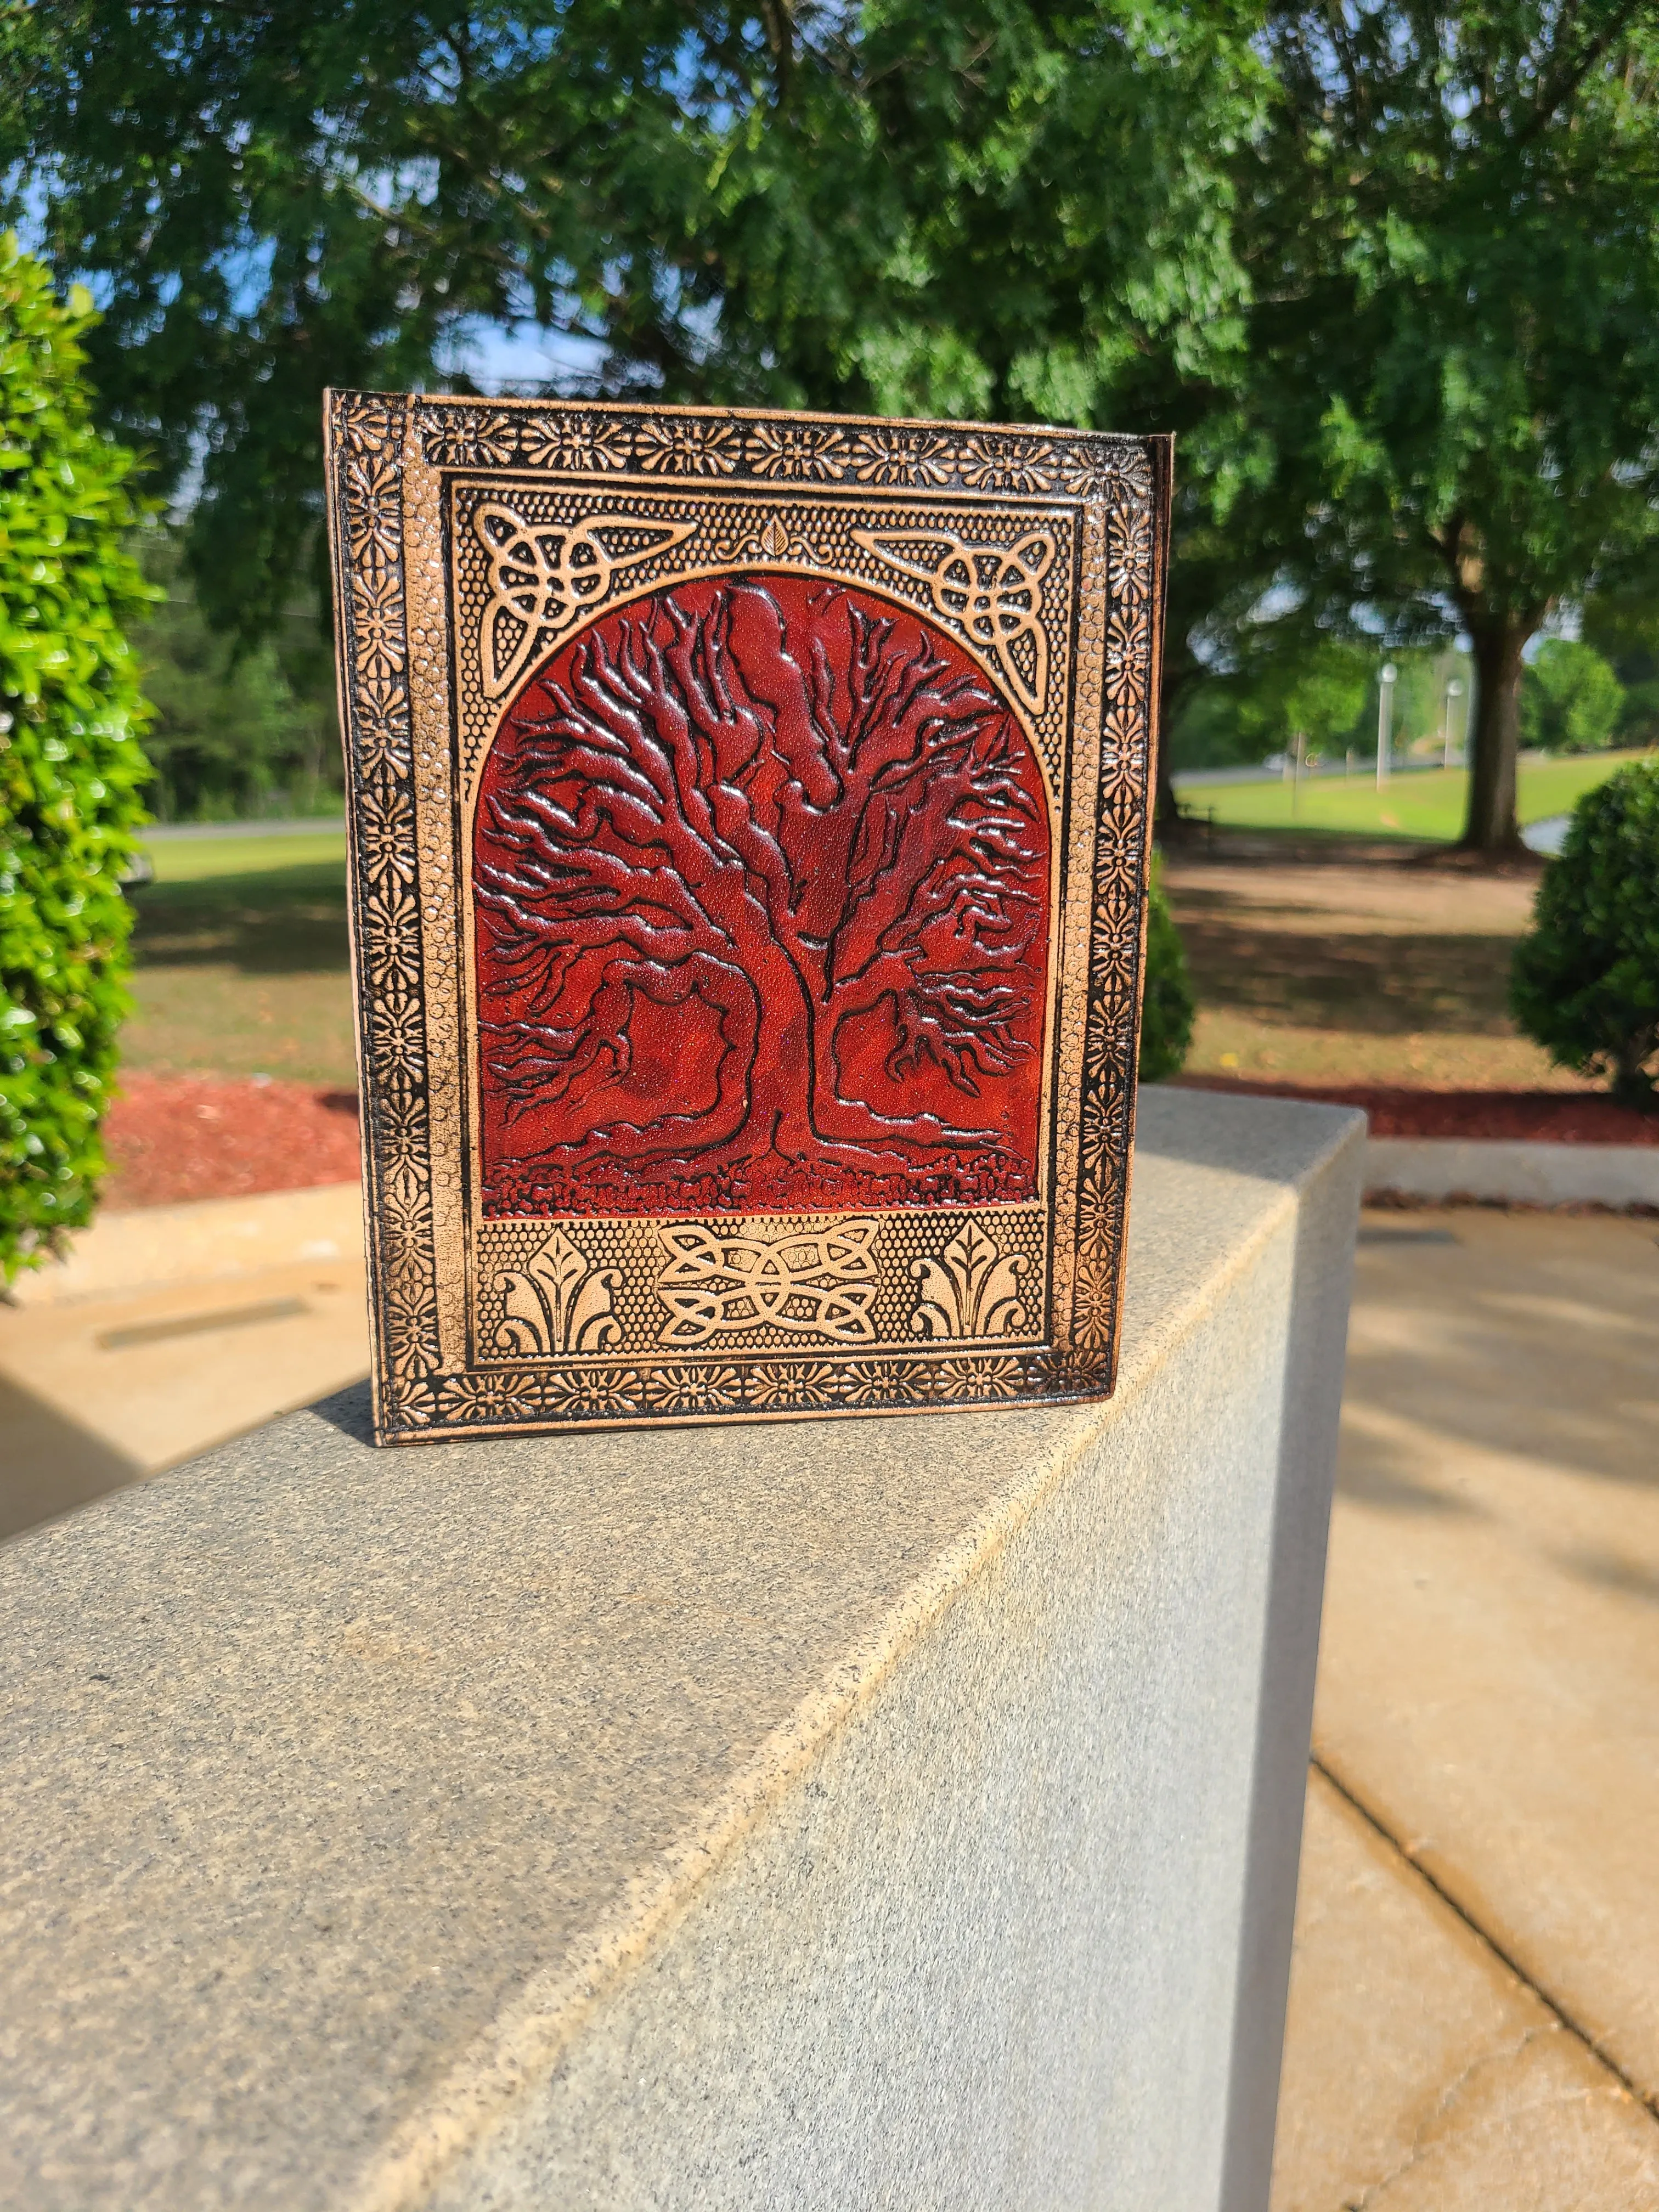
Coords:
pixel 1453 690
pixel 1384 720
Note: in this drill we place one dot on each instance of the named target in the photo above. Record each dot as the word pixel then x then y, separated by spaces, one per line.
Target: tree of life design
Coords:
pixel 760 883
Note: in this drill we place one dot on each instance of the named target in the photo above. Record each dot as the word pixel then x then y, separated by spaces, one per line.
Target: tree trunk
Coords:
pixel 1490 824
pixel 1169 826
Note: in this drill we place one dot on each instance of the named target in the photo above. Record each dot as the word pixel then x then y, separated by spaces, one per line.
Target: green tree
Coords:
pixel 1318 700
pixel 1571 700
pixel 70 767
pixel 1315 692
pixel 231 735
pixel 1454 342
pixel 1000 208
pixel 1624 627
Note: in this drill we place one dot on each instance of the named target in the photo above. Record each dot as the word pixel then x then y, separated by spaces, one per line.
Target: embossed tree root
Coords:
pixel 796 830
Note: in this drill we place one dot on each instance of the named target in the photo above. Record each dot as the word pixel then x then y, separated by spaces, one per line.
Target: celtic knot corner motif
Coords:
pixel 543 577
pixel 558 1302
pixel 992 593
pixel 972 1289
pixel 818 1283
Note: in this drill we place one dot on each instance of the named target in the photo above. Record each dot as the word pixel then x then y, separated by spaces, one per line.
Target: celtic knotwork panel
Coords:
pixel 748 834
pixel 543 579
pixel 814 1283
pixel 992 593
pixel 810 533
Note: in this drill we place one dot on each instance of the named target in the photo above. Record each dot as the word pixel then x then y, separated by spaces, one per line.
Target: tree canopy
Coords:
pixel 1390 271
pixel 1569 698
pixel 1453 337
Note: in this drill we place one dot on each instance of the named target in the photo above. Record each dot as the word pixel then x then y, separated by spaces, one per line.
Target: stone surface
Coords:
pixel 1435 1168
pixel 168 1330
pixel 211 1240
pixel 1419 2070
pixel 1489 1679
pixel 887 1813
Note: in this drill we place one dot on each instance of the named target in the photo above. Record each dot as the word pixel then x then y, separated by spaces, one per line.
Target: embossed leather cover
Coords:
pixel 749 824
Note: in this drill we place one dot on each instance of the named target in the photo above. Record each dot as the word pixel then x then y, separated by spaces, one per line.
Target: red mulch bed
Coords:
pixel 174 1138
pixel 1550 1117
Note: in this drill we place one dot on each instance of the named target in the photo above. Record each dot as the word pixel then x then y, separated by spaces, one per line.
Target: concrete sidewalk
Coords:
pixel 1475 2003
pixel 169 1330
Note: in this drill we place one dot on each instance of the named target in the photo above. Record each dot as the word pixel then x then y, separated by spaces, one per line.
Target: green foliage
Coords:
pixel 1571 700
pixel 70 767
pixel 1638 715
pixel 1324 693
pixel 1454 370
pixel 1585 981
pixel 993 208
pixel 232 736
pixel 1317 693
pixel 1391 273
pixel 1168 1007
pixel 1624 627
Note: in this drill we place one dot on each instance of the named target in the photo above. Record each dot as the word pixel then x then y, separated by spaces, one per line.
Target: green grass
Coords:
pixel 241 964
pixel 1430 805
pixel 191 860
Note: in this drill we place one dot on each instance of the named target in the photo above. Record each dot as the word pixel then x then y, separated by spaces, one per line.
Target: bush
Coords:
pixel 1586 978
pixel 1570 699
pixel 1167 1006
pixel 70 766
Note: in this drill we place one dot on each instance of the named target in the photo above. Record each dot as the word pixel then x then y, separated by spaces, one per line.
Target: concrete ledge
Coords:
pixel 891 1813
pixel 211 1240
pixel 1434 1168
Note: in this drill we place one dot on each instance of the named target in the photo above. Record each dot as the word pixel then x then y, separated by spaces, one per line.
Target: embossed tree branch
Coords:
pixel 793 832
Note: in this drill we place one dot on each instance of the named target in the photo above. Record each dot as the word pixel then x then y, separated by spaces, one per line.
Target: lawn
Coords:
pixel 1380 971
pixel 1378 968
pixel 196 860
pixel 243 966
pixel 1428 804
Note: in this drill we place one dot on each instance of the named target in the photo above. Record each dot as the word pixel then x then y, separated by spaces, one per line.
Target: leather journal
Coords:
pixel 749 825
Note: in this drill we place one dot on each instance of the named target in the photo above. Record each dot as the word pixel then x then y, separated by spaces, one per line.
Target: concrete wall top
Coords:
pixel 340 1784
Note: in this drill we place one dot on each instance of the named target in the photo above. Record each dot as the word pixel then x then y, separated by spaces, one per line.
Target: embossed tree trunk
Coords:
pixel 761 878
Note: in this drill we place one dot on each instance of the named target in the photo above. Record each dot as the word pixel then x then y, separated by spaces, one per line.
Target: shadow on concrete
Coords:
pixel 1608 1570
pixel 348 1411
pixel 49 1464
pixel 1379 1473
pixel 1574 1399
pixel 1321 1273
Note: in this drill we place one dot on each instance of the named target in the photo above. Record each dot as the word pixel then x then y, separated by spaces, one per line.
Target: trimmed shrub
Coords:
pixel 1585 981
pixel 70 764
pixel 1167 1006
pixel 1571 698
